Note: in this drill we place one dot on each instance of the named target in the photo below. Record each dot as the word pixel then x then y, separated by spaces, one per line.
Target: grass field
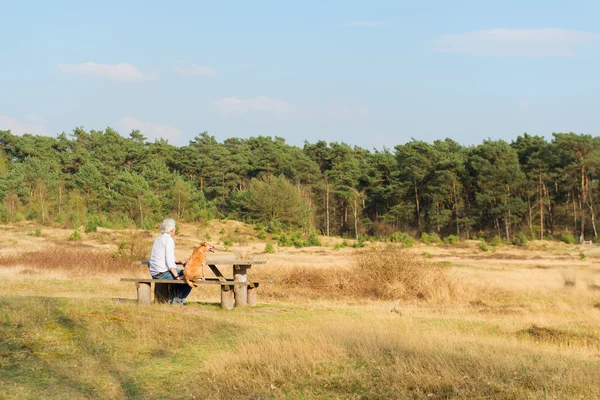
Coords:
pixel 379 322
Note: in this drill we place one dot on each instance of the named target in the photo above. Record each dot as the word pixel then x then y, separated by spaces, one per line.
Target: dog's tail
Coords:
pixel 190 283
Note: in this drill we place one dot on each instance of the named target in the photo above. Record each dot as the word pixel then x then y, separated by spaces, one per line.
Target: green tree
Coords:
pixel 276 199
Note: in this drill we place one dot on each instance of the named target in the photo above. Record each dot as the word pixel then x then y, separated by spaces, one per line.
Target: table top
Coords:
pixel 216 261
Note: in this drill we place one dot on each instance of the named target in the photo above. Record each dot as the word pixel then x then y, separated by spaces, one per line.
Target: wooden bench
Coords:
pixel 236 291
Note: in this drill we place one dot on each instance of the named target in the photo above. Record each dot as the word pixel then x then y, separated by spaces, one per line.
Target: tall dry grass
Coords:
pixel 80 259
pixel 74 260
pixel 384 274
pixel 397 273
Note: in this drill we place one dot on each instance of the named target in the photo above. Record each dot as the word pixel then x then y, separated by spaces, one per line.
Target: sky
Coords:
pixel 373 74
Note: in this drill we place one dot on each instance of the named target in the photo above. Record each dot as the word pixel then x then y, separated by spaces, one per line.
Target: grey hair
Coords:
pixel 167 225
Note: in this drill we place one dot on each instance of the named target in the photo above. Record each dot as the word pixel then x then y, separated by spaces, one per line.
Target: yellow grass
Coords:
pixel 469 325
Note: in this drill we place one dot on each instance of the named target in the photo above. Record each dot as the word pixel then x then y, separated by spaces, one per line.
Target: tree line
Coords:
pixel 531 186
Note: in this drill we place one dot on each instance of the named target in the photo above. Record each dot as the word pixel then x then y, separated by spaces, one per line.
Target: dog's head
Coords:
pixel 205 247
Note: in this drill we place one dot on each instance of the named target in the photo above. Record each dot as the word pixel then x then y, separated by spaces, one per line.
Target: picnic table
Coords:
pixel 235 292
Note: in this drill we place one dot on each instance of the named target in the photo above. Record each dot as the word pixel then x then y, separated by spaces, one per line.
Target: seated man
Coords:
pixel 163 263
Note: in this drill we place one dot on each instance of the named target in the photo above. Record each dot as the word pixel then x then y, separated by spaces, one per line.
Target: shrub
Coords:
pixel 274 227
pixel 482 245
pixel 283 241
pixel 582 255
pixel 568 238
pixel 338 246
pixel 430 238
pixel 359 243
pixel 396 273
pixel 75 236
pixel 402 237
pixel 520 239
pixel 496 241
pixel 261 235
pixel 36 233
pixel 92 225
pixel 451 239
pixel 296 240
pixel 426 238
pixel 312 240
pixel 269 248
pixel 259 227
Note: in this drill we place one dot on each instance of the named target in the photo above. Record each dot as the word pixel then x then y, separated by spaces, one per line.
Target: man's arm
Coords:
pixel 170 258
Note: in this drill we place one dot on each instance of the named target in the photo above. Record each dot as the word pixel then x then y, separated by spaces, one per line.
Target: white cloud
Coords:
pixel 36 119
pixel 118 72
pixel 546 42
pixel 235 106
pixel 265 109
pixel 365 24
pixel 148 129
pixel 183 68
pixel 19 128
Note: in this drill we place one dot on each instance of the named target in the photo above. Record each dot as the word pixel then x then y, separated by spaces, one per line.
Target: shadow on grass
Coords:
pixel 24 336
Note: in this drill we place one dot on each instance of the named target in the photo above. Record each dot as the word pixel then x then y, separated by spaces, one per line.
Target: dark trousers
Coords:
pixel 178 292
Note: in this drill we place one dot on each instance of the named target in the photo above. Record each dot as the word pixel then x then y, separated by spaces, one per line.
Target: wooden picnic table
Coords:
pixel 235 291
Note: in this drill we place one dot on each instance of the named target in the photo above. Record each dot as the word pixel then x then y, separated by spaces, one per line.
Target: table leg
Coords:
pixel 240 291
pixel 226 297
pixel 144 293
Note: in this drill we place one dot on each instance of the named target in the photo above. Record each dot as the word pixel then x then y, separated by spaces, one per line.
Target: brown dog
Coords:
pixel 194 269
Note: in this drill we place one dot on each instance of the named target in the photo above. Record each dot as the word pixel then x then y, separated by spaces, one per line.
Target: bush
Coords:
pixel 451 239
pixel 359 243
pixel 426 238
pixel 259 227
pixel 568 238
pixel 496 241
pixel 397 273
pixel 338 246
pixel 261 235
pixel 92 224
pixel 520 239
pixel 482 245
pixel 75 236
pixel 296 240
pixel 283 241
pixel 36 233
pixel 275 227
pixel 269 248
pixel 312 240
pixel 430 238
pixel 402 237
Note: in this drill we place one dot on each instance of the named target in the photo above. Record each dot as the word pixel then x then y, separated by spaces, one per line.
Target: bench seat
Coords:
pixel 157 290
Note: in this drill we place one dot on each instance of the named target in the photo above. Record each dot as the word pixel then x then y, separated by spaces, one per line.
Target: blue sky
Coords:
pixel 368 73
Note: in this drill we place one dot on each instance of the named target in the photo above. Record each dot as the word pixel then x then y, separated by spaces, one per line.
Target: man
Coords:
pixel 163 263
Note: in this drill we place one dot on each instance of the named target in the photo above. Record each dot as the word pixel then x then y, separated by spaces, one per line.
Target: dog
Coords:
pixel 194 268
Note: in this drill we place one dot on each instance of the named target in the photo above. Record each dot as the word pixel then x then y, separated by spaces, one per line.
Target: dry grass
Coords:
pixel 384 274
pixel 469 328
pixel 73 260
pixel 394 273
pixel 83 259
